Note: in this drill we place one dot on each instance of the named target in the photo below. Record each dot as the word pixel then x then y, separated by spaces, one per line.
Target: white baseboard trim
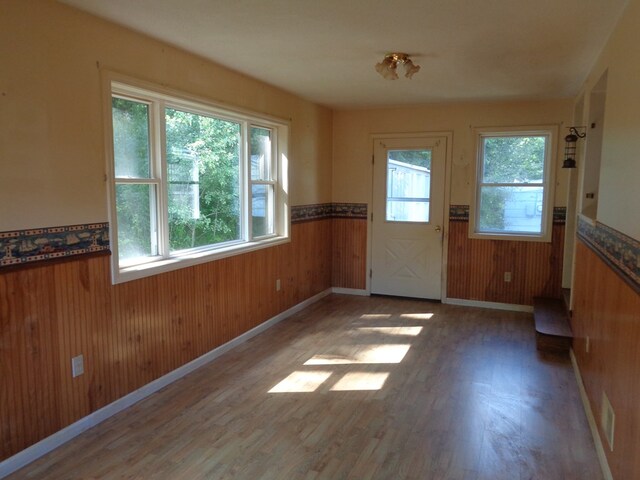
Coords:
pixel 604 464
pixel 350 291
pixel 44 446
pixel 495 305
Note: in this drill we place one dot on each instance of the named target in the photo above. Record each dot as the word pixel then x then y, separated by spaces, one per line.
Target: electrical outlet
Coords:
pixel 277 285
pixel 507 276
pixel 77 366
pixel 586 344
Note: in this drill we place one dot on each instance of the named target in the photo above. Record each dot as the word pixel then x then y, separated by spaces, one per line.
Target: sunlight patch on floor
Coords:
pixel 301 382
pixel 409 331
pixel 417 316
pixel 360 381
pixel 375 316
pixel 367 354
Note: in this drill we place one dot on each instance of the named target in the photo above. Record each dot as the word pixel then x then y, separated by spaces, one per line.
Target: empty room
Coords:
pixel 292 239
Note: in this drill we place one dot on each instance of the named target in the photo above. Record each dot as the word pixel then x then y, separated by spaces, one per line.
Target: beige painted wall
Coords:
pixel 352 146
pixel 52 159
pixel 619 187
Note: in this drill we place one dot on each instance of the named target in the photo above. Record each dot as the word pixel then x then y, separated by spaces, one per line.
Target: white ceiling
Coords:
pixel 326 50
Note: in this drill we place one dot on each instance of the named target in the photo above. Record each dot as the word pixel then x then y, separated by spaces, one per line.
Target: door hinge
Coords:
pixel 373 159
pixel 372 216
pixel 370 273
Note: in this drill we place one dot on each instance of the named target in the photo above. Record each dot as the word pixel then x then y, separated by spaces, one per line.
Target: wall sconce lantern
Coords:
pixel 570 146
pixel 388 66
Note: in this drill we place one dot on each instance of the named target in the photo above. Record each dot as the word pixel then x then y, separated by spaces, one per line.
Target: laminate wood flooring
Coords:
pixel 355 388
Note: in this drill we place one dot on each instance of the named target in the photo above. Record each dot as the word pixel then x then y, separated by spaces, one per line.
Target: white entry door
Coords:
pixel 408 214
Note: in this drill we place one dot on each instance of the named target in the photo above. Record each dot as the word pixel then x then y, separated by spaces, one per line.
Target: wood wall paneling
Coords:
pixel 135 332
pixel 476 267
pixel 132 333
pixel 607 310
pixel 350 253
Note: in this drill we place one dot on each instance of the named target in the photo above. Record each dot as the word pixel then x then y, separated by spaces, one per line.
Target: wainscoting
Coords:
pixel 135 332
pixel 476 267
pixel 606 309
pixel 350 253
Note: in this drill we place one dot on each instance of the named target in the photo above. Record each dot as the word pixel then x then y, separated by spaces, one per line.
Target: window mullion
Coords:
pixel 160 155
pixel 148 240
pixel 263 182
pixel 488 184
pixel 246 183
pixel 136 181
pixel 275 175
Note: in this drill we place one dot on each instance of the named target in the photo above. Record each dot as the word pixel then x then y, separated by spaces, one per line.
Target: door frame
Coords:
pixel 448 135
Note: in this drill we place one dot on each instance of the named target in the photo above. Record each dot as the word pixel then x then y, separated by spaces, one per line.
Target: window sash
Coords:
pixel 547 184
pixel 270 182
pixel 277 217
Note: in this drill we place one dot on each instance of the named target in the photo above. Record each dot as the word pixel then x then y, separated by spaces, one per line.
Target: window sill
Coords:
pixel 513 237
pixel 148 269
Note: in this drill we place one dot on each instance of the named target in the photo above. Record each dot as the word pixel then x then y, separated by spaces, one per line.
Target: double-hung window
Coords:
pixel 514 182
pixel 191 181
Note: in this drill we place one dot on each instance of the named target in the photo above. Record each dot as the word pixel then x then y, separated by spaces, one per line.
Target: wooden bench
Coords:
pixel 553 332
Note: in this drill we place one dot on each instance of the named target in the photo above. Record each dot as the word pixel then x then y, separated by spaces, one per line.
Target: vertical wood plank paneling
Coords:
pixel 476 267
pixel 26 353
pixel 135 332
pixel 607 310
pixel 350 253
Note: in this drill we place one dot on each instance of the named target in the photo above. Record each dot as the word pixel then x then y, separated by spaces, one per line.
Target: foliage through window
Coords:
pixel 189 178
pixel 513 184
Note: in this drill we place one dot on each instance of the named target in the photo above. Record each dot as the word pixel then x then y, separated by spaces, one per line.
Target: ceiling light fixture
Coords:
pixel 388 66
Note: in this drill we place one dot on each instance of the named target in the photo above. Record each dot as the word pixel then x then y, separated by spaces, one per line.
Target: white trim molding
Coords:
pixel 159 257
pixel 551 154
pixel 602 457
pixel 448 135
pixel 44 446
pixel 351 291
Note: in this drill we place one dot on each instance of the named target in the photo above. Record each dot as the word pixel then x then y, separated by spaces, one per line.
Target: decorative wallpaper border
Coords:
pixel 26 246
pixel 349 210
pixel 618 250
pixel 303 213
pixel 559 215
pixel 20 247
pixel 458 213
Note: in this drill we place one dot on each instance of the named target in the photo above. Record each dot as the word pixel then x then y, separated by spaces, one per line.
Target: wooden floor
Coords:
pixel 358 388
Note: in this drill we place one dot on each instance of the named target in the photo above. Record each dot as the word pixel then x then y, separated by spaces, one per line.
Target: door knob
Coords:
pixel 438 228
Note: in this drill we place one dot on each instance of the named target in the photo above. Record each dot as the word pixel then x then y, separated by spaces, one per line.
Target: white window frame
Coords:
pixel 158 98
pixel 548 184
pixel 271 181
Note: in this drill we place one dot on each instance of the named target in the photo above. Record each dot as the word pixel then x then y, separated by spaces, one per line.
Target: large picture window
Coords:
pixel 191 182
pixel 513 184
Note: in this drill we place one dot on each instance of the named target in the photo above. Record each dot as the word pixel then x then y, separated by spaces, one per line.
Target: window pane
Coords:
pixel 130 138
pixel 513 159
pixel 260 154
pixel 511 209
pixel 135 207
pixel 261 210
pixel 408 185
pixel 203 169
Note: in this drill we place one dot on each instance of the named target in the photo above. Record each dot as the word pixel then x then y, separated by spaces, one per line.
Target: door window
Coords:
pixel 408 185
